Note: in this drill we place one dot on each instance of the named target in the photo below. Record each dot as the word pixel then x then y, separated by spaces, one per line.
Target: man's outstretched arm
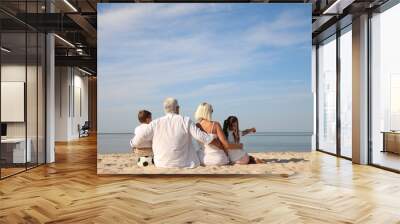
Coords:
pixel 200 135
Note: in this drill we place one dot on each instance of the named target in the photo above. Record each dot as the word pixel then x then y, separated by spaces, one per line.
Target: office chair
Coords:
pixel 84 130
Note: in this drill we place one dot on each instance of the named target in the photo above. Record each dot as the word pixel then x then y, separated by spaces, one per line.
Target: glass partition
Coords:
pixel 13 110
pixel 385 89
pixel 22 77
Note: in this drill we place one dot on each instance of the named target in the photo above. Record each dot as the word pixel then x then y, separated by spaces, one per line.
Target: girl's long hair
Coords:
pixel 228 124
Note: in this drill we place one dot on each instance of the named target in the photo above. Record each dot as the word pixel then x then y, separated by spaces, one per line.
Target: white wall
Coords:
pixel 17 73
pixel 33 126
pixel 9 73
pixel 12 100
pixel 62 81
pixel 69 82
pixel 80 83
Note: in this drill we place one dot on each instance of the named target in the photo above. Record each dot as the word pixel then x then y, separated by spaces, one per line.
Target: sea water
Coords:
pixel 258 142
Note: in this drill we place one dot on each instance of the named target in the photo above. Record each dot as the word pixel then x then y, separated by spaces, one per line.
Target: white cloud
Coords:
pixel 280 32
pixel 141 15
pixel 212 90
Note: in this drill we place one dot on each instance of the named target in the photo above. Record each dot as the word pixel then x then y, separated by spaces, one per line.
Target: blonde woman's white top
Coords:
pixel 210 155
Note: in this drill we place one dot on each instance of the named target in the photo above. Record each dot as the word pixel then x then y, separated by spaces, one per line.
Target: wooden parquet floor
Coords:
pixel 69 191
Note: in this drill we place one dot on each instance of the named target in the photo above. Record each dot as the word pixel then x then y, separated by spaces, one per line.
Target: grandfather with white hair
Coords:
pixel 172 138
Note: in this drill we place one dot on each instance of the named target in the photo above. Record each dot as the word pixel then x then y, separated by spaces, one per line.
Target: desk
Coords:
pixel 391 142
pixel 15 148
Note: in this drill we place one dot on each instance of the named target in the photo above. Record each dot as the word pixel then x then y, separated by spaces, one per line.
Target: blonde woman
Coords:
pixel 214 153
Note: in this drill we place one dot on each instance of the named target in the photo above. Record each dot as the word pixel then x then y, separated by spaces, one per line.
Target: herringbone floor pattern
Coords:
pixel 69 191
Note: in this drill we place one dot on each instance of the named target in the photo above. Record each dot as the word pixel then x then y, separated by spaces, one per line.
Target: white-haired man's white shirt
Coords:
pixel 172 141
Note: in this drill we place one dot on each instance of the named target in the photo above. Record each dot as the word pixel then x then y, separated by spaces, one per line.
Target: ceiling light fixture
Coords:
pixel 337 7
pixel 70 5
pixel 65 41
pixel 79 51
pixel 84 71
pixel 5 50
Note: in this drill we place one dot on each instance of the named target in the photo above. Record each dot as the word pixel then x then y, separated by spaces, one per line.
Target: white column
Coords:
pixel 50 92
pixel 63 99
pixel 50 99
pixel 360 90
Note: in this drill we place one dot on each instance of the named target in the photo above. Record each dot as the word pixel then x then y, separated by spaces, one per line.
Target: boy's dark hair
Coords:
pixel 143 115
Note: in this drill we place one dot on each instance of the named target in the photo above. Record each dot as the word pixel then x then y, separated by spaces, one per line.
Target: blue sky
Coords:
pixel 249 60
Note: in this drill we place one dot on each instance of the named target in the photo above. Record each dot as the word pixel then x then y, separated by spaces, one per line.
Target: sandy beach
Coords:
pixel 276 163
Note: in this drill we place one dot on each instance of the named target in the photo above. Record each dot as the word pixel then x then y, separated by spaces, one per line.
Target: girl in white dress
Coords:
pixel 216 152
pixel 232 133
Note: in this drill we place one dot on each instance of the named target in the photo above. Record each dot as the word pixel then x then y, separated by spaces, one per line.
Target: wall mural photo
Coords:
pixel 204 88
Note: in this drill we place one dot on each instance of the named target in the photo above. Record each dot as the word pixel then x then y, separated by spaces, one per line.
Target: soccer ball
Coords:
pixel 144 161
